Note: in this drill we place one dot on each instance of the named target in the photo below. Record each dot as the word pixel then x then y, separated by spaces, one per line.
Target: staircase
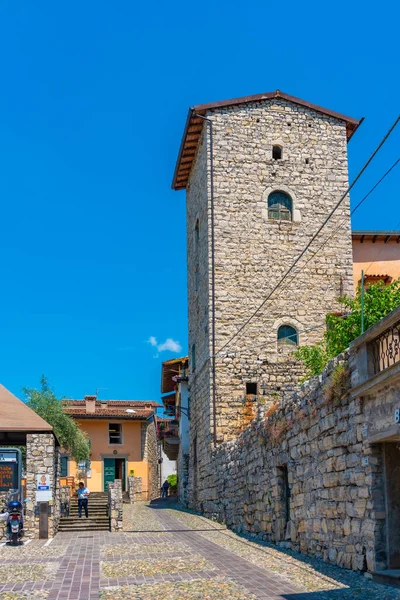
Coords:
pixel 98 515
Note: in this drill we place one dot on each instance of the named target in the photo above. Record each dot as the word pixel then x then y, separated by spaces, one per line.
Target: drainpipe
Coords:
pixel 214 385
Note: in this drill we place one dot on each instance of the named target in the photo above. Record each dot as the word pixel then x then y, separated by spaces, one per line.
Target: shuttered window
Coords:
pixel 287 335
pixel 279 206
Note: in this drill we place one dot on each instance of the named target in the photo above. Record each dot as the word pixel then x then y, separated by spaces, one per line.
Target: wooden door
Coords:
pixel 109 472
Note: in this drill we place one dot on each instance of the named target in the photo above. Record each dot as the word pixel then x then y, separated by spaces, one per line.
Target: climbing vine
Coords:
pixel 341 330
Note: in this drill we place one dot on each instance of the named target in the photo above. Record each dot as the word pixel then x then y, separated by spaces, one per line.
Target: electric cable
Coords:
pixel 341 199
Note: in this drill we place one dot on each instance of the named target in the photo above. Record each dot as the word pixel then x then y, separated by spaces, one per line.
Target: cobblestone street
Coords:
pixel 170 554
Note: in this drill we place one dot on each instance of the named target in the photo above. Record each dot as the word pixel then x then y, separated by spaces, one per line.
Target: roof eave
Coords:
pixel 180 183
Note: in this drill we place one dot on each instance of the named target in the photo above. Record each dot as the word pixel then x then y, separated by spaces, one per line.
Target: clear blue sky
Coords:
pixel 93 101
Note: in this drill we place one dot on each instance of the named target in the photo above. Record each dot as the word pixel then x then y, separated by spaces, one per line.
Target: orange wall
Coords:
pixel 130 449
pixel 385 259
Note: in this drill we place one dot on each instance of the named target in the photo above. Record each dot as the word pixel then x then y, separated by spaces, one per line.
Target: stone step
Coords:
pixel 66 529
pixel 96 509
pixel 75 518
pixel 389 577
pixel 94 514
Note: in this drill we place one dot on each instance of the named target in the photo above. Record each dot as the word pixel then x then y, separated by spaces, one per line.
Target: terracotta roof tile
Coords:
pixel 109 412
pixel 195 124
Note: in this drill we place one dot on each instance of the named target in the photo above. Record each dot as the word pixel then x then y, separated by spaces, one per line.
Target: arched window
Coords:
pixel 288 335
pixel 276 152
pixel 280 206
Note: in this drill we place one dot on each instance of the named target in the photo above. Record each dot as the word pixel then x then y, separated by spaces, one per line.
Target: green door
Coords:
pixel 109 472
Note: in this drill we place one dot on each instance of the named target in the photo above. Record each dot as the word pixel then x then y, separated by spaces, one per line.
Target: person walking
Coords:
pixel 83 495
pixel 164 489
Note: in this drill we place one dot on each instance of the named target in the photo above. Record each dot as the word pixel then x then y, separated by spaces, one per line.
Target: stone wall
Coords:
pixel 252 252
pixel 183 477
pixel 150 445
pixel 135 489
pixel 65 500
pixel 115 505
pixel 305 475
pixel 42 457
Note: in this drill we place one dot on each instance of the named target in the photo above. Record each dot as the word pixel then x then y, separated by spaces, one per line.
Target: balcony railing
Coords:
pixel 385 349
pixel 376 354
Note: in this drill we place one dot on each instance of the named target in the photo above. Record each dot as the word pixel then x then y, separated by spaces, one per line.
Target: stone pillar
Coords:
pixel 3 497
pixel 65 500
pixel 115 505
pixel 42 458
pixel 135 488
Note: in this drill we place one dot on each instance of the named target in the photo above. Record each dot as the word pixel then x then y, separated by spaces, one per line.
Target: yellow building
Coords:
pixel 122 440
pixel 377 253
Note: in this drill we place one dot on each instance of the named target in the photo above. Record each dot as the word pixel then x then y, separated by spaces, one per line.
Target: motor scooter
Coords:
pixel 13 515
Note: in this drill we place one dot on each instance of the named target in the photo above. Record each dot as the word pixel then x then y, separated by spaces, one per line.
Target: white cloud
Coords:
pixel 169 345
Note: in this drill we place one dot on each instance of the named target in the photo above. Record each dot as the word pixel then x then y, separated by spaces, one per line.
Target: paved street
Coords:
pixel 170 554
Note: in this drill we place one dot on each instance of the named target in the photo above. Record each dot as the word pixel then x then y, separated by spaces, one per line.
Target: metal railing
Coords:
pixel 385 348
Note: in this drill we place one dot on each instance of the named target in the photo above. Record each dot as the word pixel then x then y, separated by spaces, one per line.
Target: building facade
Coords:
pixel 261 174
pixel 175 434
pixel 377 253
pixel 123 442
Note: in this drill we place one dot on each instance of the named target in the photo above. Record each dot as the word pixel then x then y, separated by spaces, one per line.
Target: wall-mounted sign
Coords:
pixel 397 415
pixel 10 469
pixel 43 483
pixel 8 457
pixel 8 476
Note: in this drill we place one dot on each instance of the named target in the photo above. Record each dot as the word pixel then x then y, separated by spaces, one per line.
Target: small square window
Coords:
pixel 251 388
pixel 115 433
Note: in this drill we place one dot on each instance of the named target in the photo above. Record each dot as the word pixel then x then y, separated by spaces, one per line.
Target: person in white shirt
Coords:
pixel 83 495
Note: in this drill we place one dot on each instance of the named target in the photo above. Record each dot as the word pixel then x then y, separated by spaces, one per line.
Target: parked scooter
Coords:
pixel 13 515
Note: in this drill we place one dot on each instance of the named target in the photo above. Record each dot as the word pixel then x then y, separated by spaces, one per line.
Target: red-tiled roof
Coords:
pixel 127 403
pixel 110 408
pixel 195 124
pixel 103 413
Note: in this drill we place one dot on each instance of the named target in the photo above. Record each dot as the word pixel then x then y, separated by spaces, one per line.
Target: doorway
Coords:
pixel 392 472
pixel 114 468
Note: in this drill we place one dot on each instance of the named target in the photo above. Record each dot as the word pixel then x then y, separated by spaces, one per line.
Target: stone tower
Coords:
pixel 261 173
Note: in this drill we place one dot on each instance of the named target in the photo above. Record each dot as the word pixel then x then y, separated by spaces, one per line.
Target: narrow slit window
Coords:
pixel 196 234
pixel 284 501
pixel 193 357
pixel 277 152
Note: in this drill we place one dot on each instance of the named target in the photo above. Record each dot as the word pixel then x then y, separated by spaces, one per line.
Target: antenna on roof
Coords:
pixel 97 391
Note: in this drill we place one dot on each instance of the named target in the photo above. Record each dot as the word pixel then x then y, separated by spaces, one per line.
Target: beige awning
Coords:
pixel 15 415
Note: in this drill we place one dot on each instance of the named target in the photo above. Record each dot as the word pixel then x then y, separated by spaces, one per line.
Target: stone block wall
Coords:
pixel 65 500
pixel 304 474
pixel 42 457
pixel 183 477
pixel 252 252
pixel 151 453
pixel 135 489
pixel 115 504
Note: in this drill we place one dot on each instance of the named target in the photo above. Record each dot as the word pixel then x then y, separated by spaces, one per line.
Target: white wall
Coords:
pixel 168 467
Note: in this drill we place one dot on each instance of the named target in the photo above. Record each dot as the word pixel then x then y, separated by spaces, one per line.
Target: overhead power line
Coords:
pixel 344 222
pixel 341 199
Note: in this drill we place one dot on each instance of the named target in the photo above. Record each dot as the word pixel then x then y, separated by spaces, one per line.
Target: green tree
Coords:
pixel 45 403
pixel 379 301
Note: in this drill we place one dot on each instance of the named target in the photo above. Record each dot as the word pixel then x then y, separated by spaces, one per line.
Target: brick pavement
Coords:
pixel 74 570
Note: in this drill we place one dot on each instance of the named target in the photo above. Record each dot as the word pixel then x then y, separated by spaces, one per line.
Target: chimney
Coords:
pixel 90 404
